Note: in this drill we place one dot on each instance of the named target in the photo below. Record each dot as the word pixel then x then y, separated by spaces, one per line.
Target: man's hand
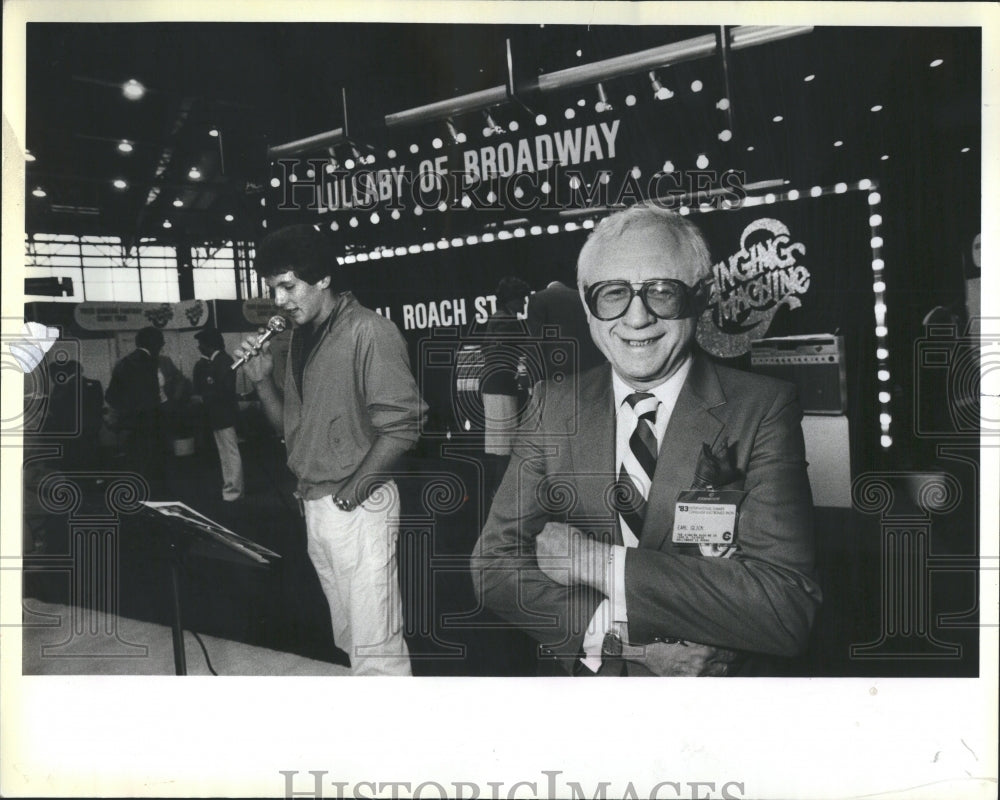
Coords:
pixel 568 557
pixel 260 366
pixel 685 660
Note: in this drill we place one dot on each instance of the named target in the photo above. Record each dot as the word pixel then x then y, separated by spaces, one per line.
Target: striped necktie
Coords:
pixel 638 464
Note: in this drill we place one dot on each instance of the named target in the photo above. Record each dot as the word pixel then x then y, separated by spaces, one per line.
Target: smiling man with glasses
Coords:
pixel 656 517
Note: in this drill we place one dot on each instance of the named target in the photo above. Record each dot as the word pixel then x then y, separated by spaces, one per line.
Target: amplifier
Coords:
pixel 815 364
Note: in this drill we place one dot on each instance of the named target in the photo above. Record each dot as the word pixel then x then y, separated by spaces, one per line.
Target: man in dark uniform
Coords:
pixel 134 394
pixel 560 306
pixel 215 383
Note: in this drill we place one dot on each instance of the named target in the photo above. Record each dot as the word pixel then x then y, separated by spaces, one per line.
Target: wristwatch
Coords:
pixel 614 646
pixel 344 505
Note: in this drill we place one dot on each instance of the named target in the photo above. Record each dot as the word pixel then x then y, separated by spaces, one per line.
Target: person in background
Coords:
pixel 559 306
pixel 349 409
pixel 74 414
pixel 215 384
pixel 503 398
pixel 134 395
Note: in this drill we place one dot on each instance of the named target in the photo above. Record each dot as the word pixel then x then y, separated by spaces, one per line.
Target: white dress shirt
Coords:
pixel 612 612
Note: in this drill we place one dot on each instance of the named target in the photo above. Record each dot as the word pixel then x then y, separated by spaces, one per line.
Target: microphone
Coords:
pixel 275 325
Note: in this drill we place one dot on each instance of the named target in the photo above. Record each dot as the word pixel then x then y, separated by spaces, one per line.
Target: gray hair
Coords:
pixel 683 233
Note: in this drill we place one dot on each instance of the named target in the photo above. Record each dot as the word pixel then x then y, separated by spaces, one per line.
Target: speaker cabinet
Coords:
pixel 815 364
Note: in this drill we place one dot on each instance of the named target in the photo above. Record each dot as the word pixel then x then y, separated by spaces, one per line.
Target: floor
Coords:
pixel 269 616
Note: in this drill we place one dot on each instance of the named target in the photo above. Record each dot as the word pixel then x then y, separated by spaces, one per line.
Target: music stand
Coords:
pixel 183 527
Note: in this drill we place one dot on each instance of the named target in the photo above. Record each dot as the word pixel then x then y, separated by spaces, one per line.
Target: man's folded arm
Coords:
pixel 505 572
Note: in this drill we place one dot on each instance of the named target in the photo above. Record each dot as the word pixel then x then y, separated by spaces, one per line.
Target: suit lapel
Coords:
pixel 692 423
pixel 591 439
pixel 592 445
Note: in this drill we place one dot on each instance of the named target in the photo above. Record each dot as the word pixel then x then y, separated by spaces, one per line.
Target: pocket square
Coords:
pixel 715 469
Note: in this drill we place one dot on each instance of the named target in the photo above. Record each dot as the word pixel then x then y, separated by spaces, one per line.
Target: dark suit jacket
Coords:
pixel 761 599
pixel 134 391
pixel 215 381
pixel 561 306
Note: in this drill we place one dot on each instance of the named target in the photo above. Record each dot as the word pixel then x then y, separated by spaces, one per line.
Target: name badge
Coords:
pixel 706 516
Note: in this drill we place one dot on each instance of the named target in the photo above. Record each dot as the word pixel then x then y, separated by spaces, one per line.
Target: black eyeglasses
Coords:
pixel 664 298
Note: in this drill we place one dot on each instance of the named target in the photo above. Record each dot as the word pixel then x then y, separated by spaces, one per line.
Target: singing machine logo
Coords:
pixel 750 286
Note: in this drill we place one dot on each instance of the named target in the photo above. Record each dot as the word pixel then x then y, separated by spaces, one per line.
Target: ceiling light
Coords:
pixel 133 90
pixel 838 143
pixel 937 62
pixel 777 118
pixel 885 157
pixel 195 174
pixel 119 183
pixel 602 103
pixel 809 78
pixel 965 149
pixel 876 109
pixel 660 92
pixel 166 224
pixel 491 125
pixel 214 132
pixel 229 217
pixel 125 146
pixel 178 203
pixel 456 135
pixel 38 191
pixel 28 155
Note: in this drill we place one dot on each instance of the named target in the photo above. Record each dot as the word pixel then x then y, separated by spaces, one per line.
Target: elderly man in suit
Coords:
pixel 656 516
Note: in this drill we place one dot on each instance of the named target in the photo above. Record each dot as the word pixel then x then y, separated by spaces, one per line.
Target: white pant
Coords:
pixel 501 420
pixel 354 554
pixel 232 465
